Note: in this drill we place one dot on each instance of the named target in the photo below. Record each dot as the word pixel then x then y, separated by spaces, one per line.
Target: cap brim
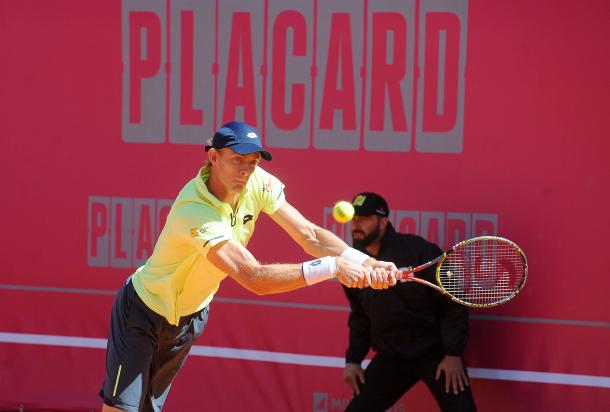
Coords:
pixel 247 148
pixel 367 211
pixel 362 211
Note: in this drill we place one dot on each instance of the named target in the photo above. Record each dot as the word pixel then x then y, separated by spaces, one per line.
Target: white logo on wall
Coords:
pixel 405 79
pixel 442 228
pixel 322 402
pixel 122 231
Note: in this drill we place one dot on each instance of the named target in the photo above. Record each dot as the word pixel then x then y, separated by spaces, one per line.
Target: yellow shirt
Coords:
pixel 178 280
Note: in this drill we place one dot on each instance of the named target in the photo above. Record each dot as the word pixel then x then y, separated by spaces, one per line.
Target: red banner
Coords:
pixel 470 117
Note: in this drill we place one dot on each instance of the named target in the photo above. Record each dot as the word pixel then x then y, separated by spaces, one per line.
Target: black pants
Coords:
pixel 388 378
pixel 145 352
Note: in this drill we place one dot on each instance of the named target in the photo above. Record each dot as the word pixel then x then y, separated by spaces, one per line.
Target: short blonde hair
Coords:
pixel 207 166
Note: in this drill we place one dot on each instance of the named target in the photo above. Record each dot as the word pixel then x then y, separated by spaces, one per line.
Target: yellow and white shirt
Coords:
pixel 178 280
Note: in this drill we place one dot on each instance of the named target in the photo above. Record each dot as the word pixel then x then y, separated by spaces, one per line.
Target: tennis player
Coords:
pixel 163 307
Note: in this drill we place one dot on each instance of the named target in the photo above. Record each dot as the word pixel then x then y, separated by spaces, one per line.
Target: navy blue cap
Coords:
pixel 239 137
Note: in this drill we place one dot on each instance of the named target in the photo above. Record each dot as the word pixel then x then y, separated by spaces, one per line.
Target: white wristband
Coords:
pixel 318 270
pixel 354 256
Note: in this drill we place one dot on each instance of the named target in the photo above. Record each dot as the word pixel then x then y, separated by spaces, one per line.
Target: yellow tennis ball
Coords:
pixel 343 211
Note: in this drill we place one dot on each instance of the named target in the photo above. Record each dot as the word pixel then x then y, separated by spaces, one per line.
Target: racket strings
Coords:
pixel 484 272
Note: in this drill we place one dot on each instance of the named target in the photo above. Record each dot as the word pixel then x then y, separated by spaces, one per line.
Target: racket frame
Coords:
pixel 406 273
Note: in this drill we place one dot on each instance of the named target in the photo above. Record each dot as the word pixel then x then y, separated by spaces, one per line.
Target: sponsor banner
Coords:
pixel 121 232
pixel 346 82
pixel 456 111
pixel 442 228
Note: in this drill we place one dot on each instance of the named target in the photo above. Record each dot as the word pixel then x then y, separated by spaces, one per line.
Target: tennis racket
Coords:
pixel 479 272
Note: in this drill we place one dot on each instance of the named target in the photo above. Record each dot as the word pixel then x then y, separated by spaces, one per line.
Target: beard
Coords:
pixel 367 240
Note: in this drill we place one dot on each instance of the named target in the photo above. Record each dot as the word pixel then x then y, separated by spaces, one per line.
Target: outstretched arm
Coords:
pixel 314 240
pixel 318 242
pixel 237 262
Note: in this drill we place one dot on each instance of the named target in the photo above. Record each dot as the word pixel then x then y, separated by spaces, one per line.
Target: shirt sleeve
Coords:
pixel 202 227
pixel 270 191
pixel 453 316
pixel 359 329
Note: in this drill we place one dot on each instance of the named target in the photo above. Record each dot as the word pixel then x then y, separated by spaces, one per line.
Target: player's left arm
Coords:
pixel 314 240
pixel 317 241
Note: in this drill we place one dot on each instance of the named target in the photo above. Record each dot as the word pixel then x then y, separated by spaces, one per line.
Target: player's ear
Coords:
pixel 213 155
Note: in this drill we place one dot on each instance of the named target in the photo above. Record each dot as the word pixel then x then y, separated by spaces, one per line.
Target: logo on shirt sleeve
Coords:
pixel 248 218
pixel 197 231
pixel 267 185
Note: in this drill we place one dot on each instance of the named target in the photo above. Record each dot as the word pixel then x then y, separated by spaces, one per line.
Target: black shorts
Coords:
pixel 144 352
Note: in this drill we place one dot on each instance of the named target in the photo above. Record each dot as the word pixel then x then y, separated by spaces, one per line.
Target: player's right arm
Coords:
pixel 203 229
pixel 318 242
pixel 237 262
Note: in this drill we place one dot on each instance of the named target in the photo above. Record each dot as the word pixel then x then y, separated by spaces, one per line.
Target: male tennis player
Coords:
pixel 163 306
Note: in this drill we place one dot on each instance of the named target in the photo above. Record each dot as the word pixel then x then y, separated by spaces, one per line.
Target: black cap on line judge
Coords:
pixel 239 137
pixel 369 203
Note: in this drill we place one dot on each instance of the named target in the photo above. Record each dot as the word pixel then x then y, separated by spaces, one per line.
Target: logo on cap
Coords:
pixel 359 200
pixel 240 137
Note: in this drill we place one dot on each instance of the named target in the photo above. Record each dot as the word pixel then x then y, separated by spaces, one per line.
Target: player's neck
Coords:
pixel 220 191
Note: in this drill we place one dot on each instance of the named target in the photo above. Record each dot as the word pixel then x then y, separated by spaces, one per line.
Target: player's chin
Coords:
pixel 240 184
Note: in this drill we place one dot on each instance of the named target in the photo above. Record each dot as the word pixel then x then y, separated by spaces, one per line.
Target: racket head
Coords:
pixel 483 271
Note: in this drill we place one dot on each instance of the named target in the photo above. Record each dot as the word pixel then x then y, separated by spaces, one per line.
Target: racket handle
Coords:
pixel 404 273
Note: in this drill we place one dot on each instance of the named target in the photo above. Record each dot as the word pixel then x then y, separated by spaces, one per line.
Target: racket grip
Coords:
pixel 404 273
pixel 401 274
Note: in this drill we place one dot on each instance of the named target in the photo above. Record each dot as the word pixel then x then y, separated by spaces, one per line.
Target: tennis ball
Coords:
pixel 343 211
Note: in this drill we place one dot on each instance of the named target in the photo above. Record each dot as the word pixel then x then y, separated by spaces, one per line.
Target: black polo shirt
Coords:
pixel 409 320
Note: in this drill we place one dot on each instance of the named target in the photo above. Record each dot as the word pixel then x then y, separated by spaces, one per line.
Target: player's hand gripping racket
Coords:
pixel 479 272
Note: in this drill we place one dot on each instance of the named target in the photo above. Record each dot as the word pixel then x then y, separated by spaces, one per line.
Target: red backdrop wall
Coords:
pixel 470 117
